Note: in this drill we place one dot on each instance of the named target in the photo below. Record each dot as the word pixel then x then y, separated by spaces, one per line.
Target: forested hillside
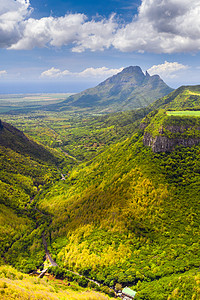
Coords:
pixel 26 168
pixel 124 214
pixel 129 215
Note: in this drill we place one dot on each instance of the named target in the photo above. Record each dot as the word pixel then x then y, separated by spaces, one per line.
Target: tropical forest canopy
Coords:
pixel 124 215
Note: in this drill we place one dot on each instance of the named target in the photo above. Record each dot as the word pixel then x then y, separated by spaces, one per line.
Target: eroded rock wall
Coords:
pixel 164 143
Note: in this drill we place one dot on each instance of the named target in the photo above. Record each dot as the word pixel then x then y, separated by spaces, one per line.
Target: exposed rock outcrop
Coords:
pixel 165 144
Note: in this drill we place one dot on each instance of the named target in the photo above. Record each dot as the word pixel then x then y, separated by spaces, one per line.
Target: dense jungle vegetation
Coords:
pixel 123 215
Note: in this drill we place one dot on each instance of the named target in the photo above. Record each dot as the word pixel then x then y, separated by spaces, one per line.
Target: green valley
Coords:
pixel 127 213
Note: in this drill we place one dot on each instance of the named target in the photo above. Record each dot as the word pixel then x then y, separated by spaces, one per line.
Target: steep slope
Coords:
pixel 129 89
pixel 130 216
pixel 12 138
pixel 183 98
pixel 176 120
pixel 164 132
pixel 25 167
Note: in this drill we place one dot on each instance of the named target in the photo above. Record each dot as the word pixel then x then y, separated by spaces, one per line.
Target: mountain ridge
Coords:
pixel 129 89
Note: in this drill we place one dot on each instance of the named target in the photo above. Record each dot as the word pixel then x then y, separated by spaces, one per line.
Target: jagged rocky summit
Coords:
pixel 129 89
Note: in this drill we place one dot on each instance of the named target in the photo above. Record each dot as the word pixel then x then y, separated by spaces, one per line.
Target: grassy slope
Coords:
pixel 183 98
pixel 15 285
pixel 184 113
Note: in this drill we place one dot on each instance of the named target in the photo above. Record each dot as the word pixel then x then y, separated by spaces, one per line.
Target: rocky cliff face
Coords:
pixel 165 143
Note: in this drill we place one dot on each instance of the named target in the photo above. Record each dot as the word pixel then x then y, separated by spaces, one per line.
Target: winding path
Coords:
pixel 52 262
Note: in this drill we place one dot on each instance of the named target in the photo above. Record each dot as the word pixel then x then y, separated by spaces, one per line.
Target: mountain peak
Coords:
pixel 147 74
pixel 132 69
pixel 129 89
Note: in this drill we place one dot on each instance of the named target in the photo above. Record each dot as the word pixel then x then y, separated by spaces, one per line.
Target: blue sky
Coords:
pixel 67 46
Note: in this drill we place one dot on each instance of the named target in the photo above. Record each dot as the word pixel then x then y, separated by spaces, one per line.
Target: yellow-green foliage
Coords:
pixel 128 215
pixel 17 286
pixel 183 98
pixel 79 254
pixel 12 227
pixel 111 202
pixel 194 113
pixel 180 286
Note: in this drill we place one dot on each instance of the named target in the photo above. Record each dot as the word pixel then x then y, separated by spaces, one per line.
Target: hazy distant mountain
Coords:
pixel 129 89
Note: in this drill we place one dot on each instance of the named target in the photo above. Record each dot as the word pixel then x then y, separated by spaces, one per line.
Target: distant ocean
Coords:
pixel 43 87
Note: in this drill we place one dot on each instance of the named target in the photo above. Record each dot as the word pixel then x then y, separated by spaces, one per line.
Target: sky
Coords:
pixel 49 46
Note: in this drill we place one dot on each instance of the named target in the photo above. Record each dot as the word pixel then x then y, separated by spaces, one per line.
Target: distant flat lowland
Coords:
pixel 10 102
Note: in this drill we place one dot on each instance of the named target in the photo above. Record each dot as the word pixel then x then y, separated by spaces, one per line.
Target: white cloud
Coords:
pixel 167 70
pixel 89 72
pixel 98 72
pixel 70 29
pixel 3 72
pixel 52 73
pixel 161 26
pixel 12 16
pixel 54 31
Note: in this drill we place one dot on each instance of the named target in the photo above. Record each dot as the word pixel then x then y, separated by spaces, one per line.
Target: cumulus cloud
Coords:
pixel 54 73
pixel 12 16
pixel 3 72
pixel 168 69
pixel 89 72
pixel 71 29
pixel 98 72
pixel 161 26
